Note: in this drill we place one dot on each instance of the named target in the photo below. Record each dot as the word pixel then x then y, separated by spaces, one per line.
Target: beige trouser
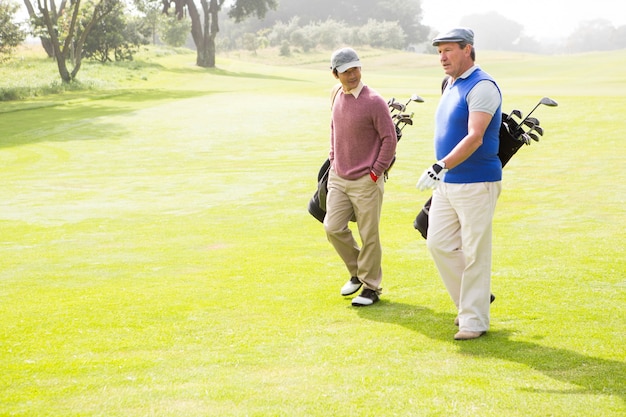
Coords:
pixel 459 240
pixel 363 199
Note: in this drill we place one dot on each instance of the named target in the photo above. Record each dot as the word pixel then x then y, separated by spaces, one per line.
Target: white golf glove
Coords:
pixel 431 177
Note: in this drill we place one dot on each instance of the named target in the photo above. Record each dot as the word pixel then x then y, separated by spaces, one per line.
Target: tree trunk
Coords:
pixel 54 41
pixel 45 41
pixel 47 46
pixel 212 25
pixel 71 45
pixel 203 30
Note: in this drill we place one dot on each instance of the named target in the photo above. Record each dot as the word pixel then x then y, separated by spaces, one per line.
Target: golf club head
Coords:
pixel 525 138
pixel 529 123
pixel 547 101
pixel 511 127
pixel 404 123
pixel 533 137
pixel 416 99
pixel 396 106
pixel 533 120
pixel 538 129
pixel 516 113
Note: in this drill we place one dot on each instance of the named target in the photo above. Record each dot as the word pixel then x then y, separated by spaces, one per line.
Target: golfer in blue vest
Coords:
pixel 466 180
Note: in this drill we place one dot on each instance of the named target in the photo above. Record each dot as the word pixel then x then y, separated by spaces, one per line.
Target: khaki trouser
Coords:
pixel 459 240
pixel 363 199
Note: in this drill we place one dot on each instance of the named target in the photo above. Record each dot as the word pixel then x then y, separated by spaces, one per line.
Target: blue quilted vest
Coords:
pixel 451 126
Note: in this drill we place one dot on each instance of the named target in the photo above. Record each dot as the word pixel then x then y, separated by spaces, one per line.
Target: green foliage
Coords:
pixel 241 9
pixel 381 35
pixel 250 42
pixel 285 49
pixel 405 13
pixel 116 34
pixel 174 32
pixel 302 38
pixel 11 34
pixel 330 33
pixel 33 76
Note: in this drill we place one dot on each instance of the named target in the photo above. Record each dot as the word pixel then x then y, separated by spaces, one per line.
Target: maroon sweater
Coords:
pixel 362 135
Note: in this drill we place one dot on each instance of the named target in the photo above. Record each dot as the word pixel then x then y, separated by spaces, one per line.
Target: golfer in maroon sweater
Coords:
pixel 362 146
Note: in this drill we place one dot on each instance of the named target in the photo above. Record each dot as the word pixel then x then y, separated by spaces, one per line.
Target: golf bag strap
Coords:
pixel 333 95
pixel 444 83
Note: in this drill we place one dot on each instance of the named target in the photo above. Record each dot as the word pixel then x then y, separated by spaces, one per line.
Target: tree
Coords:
pixel 174 32
pixel 116 33
pixel 408 14
pixel 39 26
pixel 593 35
pixel 153 12
pixel 66 38
pixel 205 25
pixel 11 34
pixel 382 34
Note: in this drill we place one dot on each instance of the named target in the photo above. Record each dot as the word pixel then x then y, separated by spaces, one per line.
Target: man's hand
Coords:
pixel 431 177
pixel 373 176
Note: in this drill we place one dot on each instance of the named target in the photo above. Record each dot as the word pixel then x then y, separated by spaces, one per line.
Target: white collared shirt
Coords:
pixel 355 91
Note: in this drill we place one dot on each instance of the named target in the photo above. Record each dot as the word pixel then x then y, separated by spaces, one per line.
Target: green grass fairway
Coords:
pixel 157 257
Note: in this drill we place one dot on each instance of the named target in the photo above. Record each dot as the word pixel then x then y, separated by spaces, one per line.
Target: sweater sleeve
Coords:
pixel 387 133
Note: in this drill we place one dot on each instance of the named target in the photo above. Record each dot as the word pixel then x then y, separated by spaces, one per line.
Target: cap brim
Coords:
pixel 448 40
pixel 346 67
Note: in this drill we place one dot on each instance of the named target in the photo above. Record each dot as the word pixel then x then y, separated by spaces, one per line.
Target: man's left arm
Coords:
pixel 387 133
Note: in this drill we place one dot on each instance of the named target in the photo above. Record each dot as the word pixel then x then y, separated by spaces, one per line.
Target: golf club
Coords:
pixel 532 120
pixel 533 136
pixel 414 98
pixel 515 113
pixel 405 120
pixel 537 129
pixel 402 119
pixel 528 124
pixel 546 101
pixel 396 106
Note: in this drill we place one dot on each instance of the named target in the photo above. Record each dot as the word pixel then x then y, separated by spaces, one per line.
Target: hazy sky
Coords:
pixel 541 18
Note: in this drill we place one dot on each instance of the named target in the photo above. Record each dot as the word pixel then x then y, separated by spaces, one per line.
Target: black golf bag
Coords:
pixel 512 137
pixel 317 203
pixel 510 142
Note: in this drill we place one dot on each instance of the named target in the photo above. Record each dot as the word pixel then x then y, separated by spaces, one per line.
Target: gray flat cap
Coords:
pixel 344 59
pixel 455 35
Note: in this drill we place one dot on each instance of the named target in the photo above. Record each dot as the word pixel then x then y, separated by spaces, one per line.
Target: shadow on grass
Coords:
pixel 593 375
